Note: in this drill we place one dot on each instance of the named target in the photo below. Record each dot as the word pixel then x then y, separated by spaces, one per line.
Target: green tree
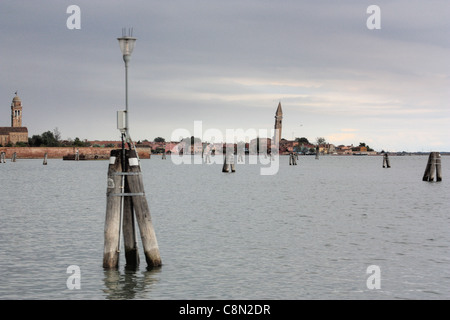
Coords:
pixel 78 143
pixel 159 139
pixel 35 141
pixel 302 140
pixel 49 140
pixel 320 141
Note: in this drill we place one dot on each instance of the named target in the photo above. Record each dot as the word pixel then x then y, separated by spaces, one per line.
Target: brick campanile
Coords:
pixel 16 112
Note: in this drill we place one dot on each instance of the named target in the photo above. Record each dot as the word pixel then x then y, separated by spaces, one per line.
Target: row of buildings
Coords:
pixel 253 147
pixel 16 133
pixel 287 147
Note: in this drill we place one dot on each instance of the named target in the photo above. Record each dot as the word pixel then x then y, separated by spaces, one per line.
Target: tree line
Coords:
pixel 50 139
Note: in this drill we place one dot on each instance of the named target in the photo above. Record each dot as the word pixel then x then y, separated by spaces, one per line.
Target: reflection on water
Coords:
pixel 129 283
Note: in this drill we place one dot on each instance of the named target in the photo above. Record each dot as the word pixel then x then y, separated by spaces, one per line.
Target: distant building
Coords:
pixel 259 145
pixel 15 133
pixel 288 146
pixel 343 150
pixel 327 148
pixel 360 149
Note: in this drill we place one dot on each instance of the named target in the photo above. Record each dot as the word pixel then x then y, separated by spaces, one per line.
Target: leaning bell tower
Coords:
pixel 278 125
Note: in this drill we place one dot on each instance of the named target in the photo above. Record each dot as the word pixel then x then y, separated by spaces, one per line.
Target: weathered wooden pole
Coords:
pixel 430 168
pixel 2 157
pixel 438 167
pixel 129 229
pixel 292 160
pixel 228 162
pixel 386 163
pixel 433 165
pixel 231 162
pixel 113 205
pixel 45 159
pixel 14 157
pixel 317 152
pixel 142 211
pixel 226 166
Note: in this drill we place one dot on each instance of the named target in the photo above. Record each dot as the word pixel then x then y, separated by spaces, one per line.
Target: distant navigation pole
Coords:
pixel 228 161
pixel 386 163
pixel 292 159
pixel 433 165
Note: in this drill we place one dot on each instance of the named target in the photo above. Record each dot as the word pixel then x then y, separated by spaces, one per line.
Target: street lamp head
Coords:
pixel 126 45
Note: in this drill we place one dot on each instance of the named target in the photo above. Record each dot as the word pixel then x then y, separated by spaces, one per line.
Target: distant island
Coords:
pixel 14 140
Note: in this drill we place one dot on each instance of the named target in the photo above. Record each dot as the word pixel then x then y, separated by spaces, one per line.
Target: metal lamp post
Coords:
pixel 120 213
pixel 126 44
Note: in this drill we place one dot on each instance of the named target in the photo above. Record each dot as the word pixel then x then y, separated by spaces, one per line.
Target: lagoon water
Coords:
pixel 308 232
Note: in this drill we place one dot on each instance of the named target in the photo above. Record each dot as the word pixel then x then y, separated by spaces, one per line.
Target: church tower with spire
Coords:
pixel 278 125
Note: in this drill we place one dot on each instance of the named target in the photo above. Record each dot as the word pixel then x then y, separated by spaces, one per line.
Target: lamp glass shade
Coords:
pixel 126 45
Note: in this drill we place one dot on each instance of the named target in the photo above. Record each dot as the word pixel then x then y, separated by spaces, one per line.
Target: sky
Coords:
pixel 228 64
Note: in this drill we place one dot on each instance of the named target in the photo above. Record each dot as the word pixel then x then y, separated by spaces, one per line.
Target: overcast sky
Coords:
pixel 228 64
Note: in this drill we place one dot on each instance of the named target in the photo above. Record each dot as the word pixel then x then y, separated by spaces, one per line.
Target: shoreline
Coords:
pixel 90 153
pixel 103 153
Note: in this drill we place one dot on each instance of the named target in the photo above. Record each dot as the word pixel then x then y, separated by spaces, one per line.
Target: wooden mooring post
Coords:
pixel 142 211
pixel 228 163
pixel 292 159
pixel 126 201
pixel 45 159
pixel 111 248
pixel 386 163
pixel 317 152
pixel 128 224
pixel 2 157
pixel 226 166
pixel 14 157
pixel 433 166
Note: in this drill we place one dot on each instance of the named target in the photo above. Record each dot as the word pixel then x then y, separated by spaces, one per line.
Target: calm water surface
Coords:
pixel 308 232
